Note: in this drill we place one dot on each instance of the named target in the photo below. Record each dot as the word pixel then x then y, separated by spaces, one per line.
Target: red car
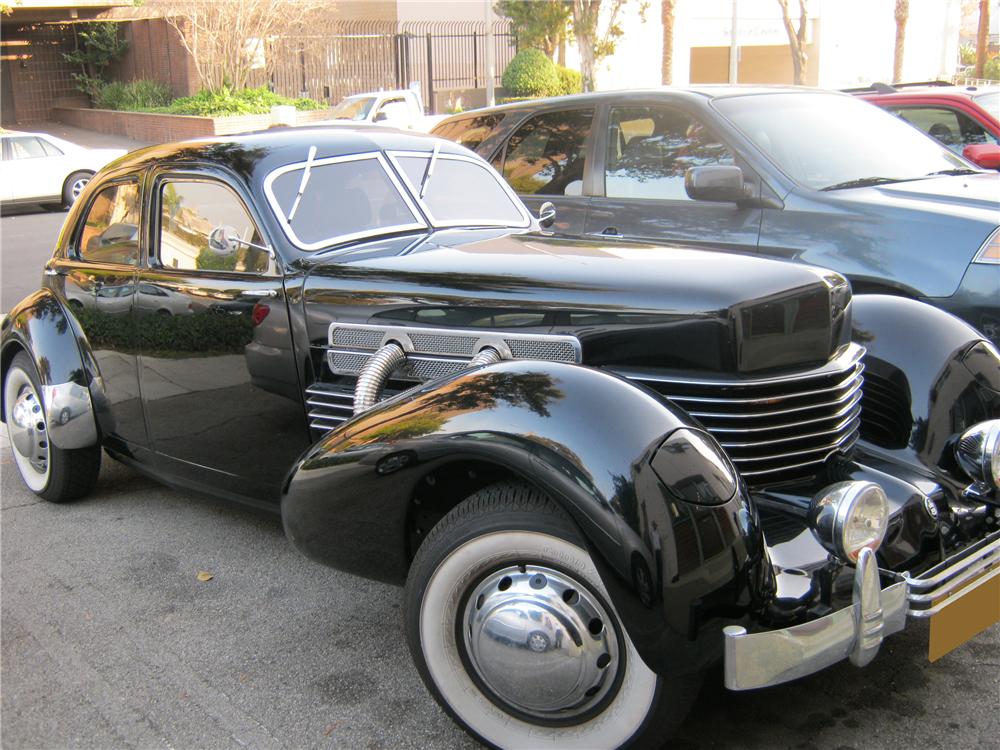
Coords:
pixel 963 119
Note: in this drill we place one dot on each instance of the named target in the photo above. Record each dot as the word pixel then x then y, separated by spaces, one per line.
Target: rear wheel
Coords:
pixel 74 185
pixel 52 473
pixel 514 635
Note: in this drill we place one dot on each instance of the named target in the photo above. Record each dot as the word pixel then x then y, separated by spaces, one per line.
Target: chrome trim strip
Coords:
pixel 784 467
pixel 778 412
pixel 844 360
pixel 842 425
pixel 974 565
pixel 850 382
pixel 980 580
pixel 852 406
pixel 776 456
pixel 328 404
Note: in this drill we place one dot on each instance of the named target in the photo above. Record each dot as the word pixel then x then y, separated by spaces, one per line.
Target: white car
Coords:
pixel 398 109
pixel 40 168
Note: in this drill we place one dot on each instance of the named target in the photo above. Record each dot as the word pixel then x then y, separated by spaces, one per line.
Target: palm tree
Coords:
pixel 902 15
pixel 667 8
pixel 981 36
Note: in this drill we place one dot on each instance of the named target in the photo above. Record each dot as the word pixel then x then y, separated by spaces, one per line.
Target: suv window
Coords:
pixel 189 212
pixel 471 131
pixel 650 149
pixel 545 156
pixel 29 147
pixel 954 129
pixel 110 231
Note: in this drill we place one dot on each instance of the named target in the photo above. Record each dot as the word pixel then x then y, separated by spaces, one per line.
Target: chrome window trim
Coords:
pixel 415 190
pixel 338 239
pixel 980 256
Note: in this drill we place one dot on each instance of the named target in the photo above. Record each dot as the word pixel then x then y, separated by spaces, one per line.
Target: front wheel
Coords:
pixel 74 185
pixel 513 633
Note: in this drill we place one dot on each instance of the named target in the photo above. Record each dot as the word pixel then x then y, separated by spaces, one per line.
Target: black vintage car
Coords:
pixel 598 468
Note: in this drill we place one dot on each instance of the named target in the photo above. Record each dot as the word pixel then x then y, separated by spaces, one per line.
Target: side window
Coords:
pixel 111 228
pixel 195 218
pixel 954 129
pixel 471 131
pixel 545 155
pixel 27 147
pixel 49 148
pixel 650 149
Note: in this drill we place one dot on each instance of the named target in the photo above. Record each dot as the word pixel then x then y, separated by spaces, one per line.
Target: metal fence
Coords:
pixel 353 57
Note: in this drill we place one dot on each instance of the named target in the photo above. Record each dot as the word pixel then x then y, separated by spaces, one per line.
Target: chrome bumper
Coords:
pixel 855 632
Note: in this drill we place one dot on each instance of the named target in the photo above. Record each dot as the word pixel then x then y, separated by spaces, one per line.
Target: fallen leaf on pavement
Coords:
pixel 204 576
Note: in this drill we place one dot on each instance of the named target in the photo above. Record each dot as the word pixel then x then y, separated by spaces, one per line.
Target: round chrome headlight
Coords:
pixel 848 517
pixel 978 452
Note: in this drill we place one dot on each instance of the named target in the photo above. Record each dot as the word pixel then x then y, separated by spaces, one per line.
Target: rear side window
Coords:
pixel 195 216
pixel 651 148
pixel 29 147
pixel 545 156
pixel 110 231
pixel 471 131
pixel 954 129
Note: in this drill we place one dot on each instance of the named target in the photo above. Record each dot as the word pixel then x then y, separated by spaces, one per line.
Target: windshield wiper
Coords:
pixel 302 183
pixel 430 170
pixel 864 182
pixel 954 171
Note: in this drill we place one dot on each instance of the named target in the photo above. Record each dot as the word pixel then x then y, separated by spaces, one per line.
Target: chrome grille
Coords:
pixel 775 429
pixel 328 405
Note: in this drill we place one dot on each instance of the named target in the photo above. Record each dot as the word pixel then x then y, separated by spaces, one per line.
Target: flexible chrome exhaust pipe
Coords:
pixel 376 372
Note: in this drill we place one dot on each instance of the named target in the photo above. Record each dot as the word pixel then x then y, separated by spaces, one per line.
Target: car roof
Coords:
pixel 280 146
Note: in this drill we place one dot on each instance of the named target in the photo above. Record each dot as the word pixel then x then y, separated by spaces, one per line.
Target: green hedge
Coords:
pixel 225 101
pixel 570 81
pixel 531 73
pixel 135 96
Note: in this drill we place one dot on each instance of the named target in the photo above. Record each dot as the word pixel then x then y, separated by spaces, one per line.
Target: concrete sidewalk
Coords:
pixel 86 138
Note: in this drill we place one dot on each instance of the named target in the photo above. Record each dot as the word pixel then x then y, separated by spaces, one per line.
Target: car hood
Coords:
pixel 961 192
pixel 630 305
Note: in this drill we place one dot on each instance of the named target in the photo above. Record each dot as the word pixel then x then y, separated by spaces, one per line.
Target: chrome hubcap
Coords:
pixel 541 642
pixel 27 430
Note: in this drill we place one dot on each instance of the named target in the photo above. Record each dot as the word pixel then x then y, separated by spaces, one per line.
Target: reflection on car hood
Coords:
pixel 966 191
pixel 629 304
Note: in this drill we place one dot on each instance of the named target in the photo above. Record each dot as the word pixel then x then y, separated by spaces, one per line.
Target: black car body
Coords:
pixel 600 468
pixel 822 179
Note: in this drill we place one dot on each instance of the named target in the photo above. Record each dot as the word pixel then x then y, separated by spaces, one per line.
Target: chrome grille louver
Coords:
pixel 328 405
pixel 775 429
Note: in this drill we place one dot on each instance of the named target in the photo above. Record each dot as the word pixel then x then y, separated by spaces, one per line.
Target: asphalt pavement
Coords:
pixel 27 238
pixel 109 640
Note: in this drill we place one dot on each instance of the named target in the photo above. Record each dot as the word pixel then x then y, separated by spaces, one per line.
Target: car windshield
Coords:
pixel 353 108
pixel 329 201
pixel 990 101
pixel 830 141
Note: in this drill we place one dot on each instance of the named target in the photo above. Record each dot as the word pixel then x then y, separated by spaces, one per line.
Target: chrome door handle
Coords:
pixel 54 272
pixel 260 293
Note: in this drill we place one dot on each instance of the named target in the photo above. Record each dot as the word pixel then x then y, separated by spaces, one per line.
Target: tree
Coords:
pixel 596 43
pixel 982 35
pixel 226 38
pixel 797 39
pixel 902 15
pixel 667 9
pixel 97 46
pixel 537 23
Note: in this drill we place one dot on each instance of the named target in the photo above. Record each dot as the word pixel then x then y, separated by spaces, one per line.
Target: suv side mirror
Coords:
pixel 223 240
pixel 380 117
pixel 546 215
pixel 986 155
pixel 723 184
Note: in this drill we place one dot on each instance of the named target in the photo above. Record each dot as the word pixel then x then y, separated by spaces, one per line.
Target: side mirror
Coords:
pixel 722 184
pixel 985 155
pixel 546 215
pixel 380 117
pixel 223 240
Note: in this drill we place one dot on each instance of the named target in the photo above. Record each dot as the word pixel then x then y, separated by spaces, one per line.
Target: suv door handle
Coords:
pixel 260 293
pixel 608 233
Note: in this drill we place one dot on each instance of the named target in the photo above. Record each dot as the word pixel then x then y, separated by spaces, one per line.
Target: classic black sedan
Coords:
pixel 597 468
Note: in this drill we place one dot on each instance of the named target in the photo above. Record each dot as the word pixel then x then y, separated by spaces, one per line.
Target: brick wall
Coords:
pixel 156 128
pixel 155 52
pixel 39 77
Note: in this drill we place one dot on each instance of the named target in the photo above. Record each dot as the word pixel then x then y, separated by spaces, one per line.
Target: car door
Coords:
pixel 546 160
pixel 219 382
pixel 34 169
pixel 96 280
pixel 640 162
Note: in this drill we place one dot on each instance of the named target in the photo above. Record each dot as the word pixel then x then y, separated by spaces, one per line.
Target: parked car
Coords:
pixel 597 467
pixel 40 168
pixel 958 117
pixel 812 176
pixel 399 109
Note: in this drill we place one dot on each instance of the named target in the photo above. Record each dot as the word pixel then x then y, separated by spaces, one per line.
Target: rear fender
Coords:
pixel 676 572
pixel 40 326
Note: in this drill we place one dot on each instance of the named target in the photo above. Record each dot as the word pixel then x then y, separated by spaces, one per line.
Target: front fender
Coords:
pixel 928 376
pixel 677 572
pixel 41 326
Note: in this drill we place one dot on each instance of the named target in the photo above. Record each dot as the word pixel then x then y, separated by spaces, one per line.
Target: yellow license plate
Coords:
pixel 966 617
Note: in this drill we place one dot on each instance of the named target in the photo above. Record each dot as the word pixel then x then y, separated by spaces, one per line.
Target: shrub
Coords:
pixel 991 69
pixel 132 97
pixel 531 73
pixel 225 101
pixel 570 81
